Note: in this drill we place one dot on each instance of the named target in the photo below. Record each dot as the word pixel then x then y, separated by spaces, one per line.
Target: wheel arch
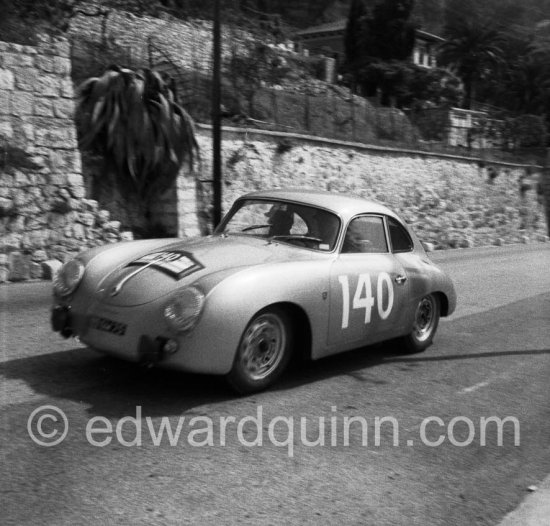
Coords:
pixel 303 333
pixel 241 376
pixel 443 303
pixel 301 325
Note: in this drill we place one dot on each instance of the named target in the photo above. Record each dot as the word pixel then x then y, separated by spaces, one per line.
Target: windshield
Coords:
pixel 300 225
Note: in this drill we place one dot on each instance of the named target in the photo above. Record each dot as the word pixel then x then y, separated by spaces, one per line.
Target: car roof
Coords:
pixel 344 205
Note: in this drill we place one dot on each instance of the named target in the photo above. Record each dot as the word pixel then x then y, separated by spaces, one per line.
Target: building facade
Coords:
pixel 328 40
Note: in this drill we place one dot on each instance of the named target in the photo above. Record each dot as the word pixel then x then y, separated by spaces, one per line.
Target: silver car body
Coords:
pixel 339 301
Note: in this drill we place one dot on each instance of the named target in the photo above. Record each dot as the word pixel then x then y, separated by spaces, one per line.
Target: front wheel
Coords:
pixel 263 352
pixel 426 320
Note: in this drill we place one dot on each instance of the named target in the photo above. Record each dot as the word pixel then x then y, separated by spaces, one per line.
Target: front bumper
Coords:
pixel 140 334
pixel 150 351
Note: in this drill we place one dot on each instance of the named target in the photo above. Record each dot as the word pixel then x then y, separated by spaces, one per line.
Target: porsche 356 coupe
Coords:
pixel 286 271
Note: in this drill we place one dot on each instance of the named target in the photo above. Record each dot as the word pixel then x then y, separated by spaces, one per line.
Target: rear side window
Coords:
pixel 400 239
pixel 365 234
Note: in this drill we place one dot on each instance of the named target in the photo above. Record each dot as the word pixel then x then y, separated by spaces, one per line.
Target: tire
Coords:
pixel 426 320
pixel 264 351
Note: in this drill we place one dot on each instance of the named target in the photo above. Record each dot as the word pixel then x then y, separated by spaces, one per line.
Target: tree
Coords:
pixel 429 15
pixel 132 120
pixel 391 36
pixel 430 88
pixel 378 46
pixel 472 50
pixel 524 86
pixel 354 36
pixel 525 131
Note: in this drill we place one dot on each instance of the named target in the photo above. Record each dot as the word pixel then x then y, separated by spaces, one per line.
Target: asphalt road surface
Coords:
pixel 424 464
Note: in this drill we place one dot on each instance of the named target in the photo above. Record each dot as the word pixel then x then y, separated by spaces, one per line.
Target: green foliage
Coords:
pixel 248 72
pixel 526 131
pixel 501 51
pixel 432 123
pixel 384 34
pixel 522 83
pixel 377 45
pixel 505 14
pixel 355 34
pixel 406 85
pixel 390 35
pixel 473 51
pixel 131 119
pixel 429 15
pixel 433 87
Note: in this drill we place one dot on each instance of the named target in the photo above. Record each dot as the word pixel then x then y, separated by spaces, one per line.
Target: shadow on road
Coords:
pixel 110 387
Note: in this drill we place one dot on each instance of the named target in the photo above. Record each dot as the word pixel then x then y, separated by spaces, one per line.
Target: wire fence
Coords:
pixel 310 108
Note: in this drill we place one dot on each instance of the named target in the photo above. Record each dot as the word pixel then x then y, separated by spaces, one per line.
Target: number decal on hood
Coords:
pixel 176 263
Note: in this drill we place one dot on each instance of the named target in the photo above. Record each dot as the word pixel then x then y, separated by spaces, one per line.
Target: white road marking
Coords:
pixel 485 383
pixel 474 387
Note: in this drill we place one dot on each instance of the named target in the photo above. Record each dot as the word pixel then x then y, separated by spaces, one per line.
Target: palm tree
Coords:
pixel 527 87
pixel 472 50
pixel 132 120
pixel 521 84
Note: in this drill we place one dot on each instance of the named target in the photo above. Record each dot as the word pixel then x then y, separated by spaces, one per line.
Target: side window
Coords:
pixel 400 239
pixel 365 234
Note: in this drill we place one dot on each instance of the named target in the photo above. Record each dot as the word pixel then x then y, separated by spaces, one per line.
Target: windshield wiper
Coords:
pixel 254 227
pixel 299 237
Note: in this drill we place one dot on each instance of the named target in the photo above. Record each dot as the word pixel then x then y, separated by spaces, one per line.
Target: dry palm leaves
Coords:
pixel 133 119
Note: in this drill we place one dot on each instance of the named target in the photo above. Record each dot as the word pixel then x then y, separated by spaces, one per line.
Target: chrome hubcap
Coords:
pixel 424 319
pixel 262 346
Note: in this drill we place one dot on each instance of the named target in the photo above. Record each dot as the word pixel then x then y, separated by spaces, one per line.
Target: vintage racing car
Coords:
pixel 285 271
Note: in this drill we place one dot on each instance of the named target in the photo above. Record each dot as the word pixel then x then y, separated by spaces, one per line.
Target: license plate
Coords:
pixel 106 325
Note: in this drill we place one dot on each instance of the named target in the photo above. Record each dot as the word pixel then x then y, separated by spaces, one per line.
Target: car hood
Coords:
pixel 149 271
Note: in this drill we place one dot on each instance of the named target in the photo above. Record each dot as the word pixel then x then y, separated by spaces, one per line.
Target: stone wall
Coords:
pixel 190 41
pixel 44 216
pixel 450 201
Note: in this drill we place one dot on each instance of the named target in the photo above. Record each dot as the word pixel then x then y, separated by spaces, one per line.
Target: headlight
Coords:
pixel 183 311
pixel 68 278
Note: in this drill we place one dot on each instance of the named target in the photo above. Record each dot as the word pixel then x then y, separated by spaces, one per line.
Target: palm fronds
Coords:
pixel 131 117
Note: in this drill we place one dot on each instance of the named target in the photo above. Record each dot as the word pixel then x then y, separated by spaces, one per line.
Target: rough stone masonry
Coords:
pixel 450 201
pixel 44 216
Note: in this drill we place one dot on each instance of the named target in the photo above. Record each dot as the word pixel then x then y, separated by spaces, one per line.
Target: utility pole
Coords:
pixel 216 118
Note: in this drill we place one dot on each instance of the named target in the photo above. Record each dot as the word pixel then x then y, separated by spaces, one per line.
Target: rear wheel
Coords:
pixel 426 320
pixel 263 352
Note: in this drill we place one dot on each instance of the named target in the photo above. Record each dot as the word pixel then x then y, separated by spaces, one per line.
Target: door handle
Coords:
pixel 400 279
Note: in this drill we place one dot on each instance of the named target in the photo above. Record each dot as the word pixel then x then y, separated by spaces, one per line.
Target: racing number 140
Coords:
pixel 363 298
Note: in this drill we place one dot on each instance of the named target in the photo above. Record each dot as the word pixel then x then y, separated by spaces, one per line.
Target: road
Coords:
pixel 490 359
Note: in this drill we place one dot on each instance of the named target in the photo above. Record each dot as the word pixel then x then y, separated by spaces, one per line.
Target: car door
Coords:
pixel 368 286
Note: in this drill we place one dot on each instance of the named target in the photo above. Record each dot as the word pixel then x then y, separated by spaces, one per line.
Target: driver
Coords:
pixel 281 221
pixel 324 227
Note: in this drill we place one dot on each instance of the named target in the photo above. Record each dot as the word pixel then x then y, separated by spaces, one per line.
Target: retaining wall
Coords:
pixel 450 201
pixel 45 217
